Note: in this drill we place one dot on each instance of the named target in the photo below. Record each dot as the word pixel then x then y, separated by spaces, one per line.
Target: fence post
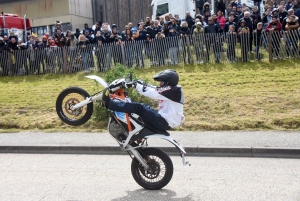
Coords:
pixel 270 46
pixel 65 60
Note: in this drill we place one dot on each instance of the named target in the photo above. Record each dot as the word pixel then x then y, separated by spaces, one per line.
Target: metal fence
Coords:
pixel 197 49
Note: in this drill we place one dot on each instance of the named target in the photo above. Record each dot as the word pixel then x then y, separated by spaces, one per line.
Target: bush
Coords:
pixel 101 113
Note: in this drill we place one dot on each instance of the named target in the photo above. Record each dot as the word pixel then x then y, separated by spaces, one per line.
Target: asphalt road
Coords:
pixel 100 177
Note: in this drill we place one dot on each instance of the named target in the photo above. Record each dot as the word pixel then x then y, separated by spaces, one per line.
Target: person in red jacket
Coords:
pixel 275 27
pixel 221 19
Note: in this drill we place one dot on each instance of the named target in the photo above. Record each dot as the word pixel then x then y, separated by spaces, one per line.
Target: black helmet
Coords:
pixel 169 77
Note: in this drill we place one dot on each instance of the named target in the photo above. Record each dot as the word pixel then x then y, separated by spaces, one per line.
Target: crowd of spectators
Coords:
pixel 231 24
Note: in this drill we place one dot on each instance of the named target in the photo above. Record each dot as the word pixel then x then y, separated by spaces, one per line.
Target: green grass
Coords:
pixel 242 96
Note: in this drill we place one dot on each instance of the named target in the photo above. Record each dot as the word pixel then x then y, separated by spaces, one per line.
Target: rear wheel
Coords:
pixel 160 172
pixel 69 97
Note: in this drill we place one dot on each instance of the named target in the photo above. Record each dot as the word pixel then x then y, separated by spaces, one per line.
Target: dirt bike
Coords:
pixel 151 167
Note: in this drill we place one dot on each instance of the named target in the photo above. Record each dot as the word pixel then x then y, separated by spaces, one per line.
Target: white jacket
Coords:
pixel 171 102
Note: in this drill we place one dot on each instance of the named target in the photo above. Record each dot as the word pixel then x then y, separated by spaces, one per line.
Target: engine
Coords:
pixel 117 131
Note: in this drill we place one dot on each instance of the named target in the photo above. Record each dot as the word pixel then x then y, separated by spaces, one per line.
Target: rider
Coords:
pixel 169 94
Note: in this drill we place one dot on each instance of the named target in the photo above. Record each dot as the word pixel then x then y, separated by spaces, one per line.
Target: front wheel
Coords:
pixel 69 97
pixel 160 172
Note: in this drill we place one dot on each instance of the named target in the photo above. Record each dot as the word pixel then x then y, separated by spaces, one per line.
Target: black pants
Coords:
pixel 148 115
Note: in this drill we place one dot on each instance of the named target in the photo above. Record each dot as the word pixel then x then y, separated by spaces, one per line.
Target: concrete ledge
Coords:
pixel 269 152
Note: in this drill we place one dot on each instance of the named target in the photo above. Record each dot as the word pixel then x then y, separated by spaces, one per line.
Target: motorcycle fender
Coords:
pixel 98 79
pixel 170 139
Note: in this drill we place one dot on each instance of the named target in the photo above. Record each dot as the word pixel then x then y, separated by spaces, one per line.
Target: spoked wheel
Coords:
pixel 69 97
pixel 160 172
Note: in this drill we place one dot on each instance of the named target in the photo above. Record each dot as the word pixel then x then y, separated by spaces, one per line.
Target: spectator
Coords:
pixel 5 39
pixel 160 48
pixel 148 48
pixel 214 17
pixel 57 27
pixel 129 47
pixel 231 43
pixel 221 19
pixel 12 35
pixel 244 35
pixel 51 54
pixel 258 40
pixel 161 21
pixel 71 44
pixel 289 5
pixel 175 25
pixel 100 54
pixel 206 16
pixel 82 46
pixel 166 29
pixel 230 22
pixel 39 55
pixel 47 35
pixel 44 41
pixel 274 27
pixel 199 39
pixel 255 16
pixel 282 13
pixel 88 36
pixel 210 31
pixel 11 47
pixel 97 38
pixel 177 18
pixel 118 58
pixel 292 35
pixel 77 33
pixel 221 6
pixel 270 3
pixel 87 28
pixel 173 46
pixel 68 34
pixel 257 4
pixel 239 4
pixel 296 5
pixel 184 34
pixel 60 39
pixel 290 12
pixel 228 10
pixel 249 22
pixel 238 11
pixel 148 21
pixel 3 56
pixel 190 21
pixel 97 28
pixel 22 58
pixel 152 30
pixel 206 8
pixel 140 35
pixel 267 18
pixel 195 25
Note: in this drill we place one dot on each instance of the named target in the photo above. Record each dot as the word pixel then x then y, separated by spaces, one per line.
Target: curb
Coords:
pixel 270 152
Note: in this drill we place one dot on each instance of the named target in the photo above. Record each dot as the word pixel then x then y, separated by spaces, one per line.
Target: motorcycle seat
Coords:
pixel 156 131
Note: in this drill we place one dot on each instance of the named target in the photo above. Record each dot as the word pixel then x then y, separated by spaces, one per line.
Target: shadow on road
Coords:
pixel 142 194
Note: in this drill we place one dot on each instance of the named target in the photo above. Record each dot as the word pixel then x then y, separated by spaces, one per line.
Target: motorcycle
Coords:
pixel 151 167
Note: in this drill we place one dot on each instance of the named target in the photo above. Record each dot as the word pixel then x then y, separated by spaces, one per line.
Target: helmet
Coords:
pixel 169 77
pixel 147 35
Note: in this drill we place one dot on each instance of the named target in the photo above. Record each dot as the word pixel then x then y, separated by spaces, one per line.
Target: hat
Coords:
pixel 113 26
pixel 44 37
pixel 239 6
pixel 85 24
pixel 273 12
pixel 198 23
pixel 242 21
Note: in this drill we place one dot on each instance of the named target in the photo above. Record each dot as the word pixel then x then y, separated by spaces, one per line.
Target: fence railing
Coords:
pixel 179 50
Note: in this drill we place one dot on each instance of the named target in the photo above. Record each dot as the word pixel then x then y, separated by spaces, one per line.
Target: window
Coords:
pixel 40 31
pixel 162 9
